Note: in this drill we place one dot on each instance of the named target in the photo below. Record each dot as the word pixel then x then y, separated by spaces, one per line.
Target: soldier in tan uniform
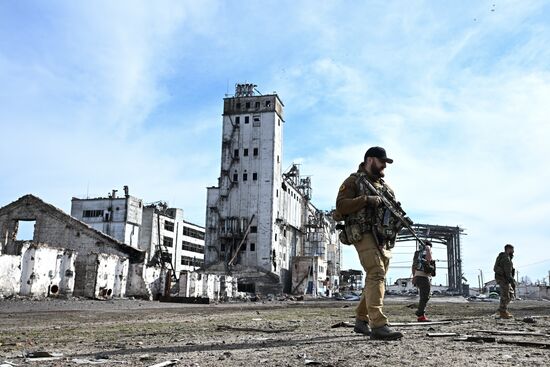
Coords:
pixel 362 213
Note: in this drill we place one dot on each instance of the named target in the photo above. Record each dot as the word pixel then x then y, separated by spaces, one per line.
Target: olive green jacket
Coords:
pixel 504 268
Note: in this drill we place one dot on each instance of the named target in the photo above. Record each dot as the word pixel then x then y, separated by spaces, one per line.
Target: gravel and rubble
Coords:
pixel 78 332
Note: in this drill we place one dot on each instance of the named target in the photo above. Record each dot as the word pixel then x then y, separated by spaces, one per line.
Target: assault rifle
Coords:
pixel 395 208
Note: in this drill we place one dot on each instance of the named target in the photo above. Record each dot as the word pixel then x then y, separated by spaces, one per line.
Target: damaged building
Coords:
pixel 261 226
pixel 161 232
pixel 64 256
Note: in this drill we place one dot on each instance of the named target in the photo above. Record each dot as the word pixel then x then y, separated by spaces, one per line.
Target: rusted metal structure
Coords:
pixel 448 236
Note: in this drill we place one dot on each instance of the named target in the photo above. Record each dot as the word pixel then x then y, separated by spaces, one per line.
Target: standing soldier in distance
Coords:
pixel 422 270
pixel 504 275
pixel 360 209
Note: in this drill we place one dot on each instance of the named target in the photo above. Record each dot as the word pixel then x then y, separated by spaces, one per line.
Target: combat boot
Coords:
pixel 362 327
pixel 505 315
pixel 385 333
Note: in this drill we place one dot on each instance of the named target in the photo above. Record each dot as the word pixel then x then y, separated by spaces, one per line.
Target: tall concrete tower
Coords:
pixel 241 210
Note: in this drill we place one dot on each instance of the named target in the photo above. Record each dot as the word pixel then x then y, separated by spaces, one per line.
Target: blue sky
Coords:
pixel 97 95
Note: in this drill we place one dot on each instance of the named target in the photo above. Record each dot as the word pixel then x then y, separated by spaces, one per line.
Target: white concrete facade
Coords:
pixel 156 229
pixel 257 216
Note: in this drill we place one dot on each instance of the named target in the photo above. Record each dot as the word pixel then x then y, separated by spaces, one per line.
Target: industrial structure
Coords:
pixel 448 236
pixel 161 232
pixel 260 223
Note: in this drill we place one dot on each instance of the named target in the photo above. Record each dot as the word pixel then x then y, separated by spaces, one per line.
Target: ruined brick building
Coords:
pixel 64 256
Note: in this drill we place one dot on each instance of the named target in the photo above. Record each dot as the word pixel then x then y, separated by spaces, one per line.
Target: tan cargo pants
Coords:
pixel 375 263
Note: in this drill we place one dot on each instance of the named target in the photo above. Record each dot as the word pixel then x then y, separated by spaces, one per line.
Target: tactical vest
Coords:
pixel 379 221
pixel 420 263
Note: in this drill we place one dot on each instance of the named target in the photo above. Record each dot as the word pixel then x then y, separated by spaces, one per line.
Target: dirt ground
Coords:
pixel 270 333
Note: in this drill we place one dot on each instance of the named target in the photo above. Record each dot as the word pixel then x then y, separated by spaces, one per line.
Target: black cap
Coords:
pixel 378 152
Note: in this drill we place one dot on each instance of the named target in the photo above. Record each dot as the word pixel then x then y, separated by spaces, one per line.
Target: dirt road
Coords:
pixel 277 333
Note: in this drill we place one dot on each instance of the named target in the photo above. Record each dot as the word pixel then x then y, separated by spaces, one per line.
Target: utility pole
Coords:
pixel 482 282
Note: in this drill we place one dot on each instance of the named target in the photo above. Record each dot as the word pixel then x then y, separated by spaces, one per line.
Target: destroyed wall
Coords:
pixel 211 286
pixel 40 271
pixel 58 242
pixel 308 275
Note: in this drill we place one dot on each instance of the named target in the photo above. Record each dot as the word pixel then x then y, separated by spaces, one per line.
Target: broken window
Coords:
pixel 246 119
pixel 255 151
pixel 253 229
pixel 257 104
pixel 190 232
pixel 238 105
pixel 25 230
pixel 245 176
pixel 246 287
pixel 252 247
pixel 247 105
pixel 267 103
pixel 193 247
pixel 169 226
pixel 236 153
pixel 245 152
pixel 237 120
pixel 92 213
pixel 235 177
pixel 167 241
pixel 254 176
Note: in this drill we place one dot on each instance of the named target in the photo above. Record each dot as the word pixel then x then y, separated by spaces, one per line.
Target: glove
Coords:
pixel 373 201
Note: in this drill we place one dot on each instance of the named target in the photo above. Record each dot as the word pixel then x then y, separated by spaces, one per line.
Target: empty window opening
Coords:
pixel 245 176
pixel 257 104
pixel 235 177
pixel 237 120
pixel 255 151
pixel 246 287
pixel 253 229
pixel 254 176
pixel 247 105
pixel 167 241
pixel 245 152
pixel 25 230
pixel 257 118
pixel 267 103
pixel 246 119
pixel 236 153
pixel 238 105
pixel 92 213
pixel 169 226
pixel 252 247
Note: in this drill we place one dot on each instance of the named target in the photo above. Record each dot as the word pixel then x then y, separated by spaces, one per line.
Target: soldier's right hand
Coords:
pixel 373 201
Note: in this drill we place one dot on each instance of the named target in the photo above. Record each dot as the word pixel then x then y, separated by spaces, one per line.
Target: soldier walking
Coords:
pixel 363 215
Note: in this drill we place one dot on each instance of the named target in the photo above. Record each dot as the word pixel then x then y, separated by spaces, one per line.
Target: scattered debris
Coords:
pixel 227 328
pixel 171 362
pixel 475 338
pixel 342 324
pixel 310 362
pixel 511 332
pixel 420 323
pixel 42 356
pixel 529 320
pixel 439 335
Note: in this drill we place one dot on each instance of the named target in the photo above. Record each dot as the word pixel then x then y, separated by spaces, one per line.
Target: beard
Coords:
pixel 377 171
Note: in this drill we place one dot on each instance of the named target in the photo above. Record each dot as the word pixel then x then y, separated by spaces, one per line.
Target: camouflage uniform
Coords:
pixel 504 275
pixel 352 199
